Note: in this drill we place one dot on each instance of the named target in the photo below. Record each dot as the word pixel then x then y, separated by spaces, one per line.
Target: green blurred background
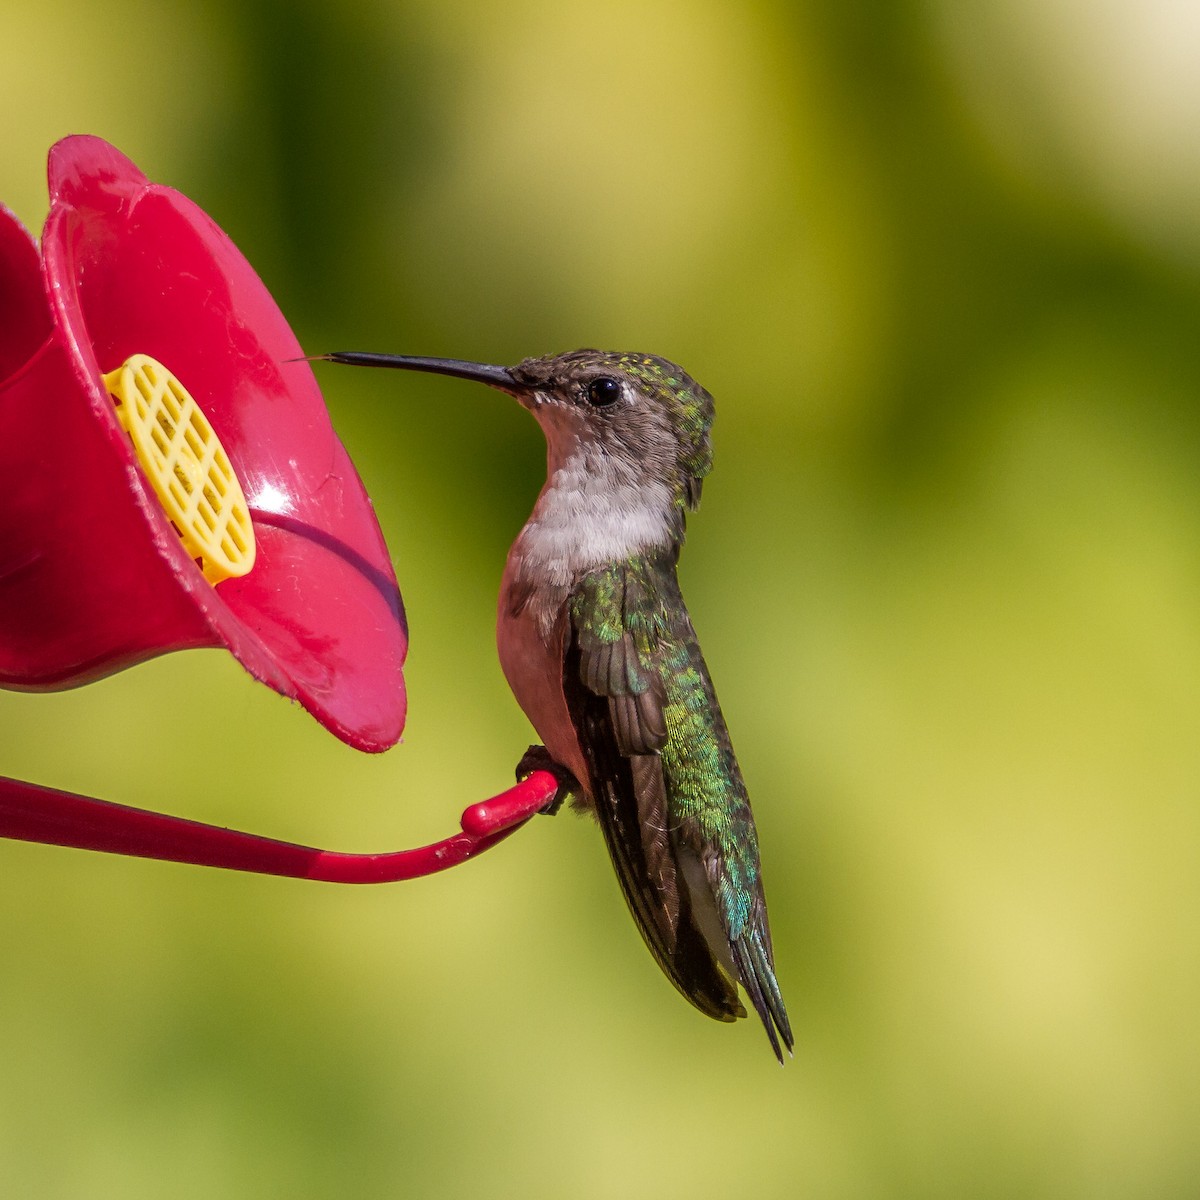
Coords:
pixel 940 265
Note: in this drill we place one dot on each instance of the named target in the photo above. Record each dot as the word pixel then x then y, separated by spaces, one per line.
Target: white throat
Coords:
pixel 584 518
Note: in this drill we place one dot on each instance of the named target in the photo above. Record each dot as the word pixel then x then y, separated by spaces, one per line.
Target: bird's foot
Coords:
pixel 537 758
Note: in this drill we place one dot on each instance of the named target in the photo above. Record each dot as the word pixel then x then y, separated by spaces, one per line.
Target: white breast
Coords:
pixel 583 519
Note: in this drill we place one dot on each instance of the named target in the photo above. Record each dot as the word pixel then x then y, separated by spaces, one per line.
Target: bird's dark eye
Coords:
pixel 603 391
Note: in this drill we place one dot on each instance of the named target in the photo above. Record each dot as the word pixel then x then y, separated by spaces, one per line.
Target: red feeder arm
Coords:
pixel 169 479
pixel 39 814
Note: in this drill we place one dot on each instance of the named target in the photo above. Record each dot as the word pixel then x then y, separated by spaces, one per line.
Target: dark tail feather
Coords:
pixel 758 978
pixel 663 914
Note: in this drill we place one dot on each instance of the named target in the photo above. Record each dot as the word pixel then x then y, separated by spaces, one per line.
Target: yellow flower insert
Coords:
pixel 186 465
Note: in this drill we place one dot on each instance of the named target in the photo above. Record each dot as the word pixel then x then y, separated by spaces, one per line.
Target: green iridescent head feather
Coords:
pixel 678 412
pixel 691 405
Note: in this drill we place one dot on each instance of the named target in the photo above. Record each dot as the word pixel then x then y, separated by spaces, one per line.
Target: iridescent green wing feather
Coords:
pixel 638 651
pixel 711 812
pixel 618 696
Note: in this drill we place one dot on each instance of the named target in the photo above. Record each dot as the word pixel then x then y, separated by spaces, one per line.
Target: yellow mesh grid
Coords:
pixel 186 465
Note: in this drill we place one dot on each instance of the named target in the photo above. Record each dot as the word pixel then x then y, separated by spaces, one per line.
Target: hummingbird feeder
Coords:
pixel 171 480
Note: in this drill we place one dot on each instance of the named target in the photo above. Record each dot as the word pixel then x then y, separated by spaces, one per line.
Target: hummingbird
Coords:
pixel 598 648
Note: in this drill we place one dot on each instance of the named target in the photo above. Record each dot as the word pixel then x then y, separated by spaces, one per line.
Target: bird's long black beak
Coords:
pixel 497 377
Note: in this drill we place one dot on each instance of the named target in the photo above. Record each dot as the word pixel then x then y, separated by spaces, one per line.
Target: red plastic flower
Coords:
pixel 94 577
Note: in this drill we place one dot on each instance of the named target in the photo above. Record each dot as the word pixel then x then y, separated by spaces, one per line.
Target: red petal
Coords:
pixel 134 267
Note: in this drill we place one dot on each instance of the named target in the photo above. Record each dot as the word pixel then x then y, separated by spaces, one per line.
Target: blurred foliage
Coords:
pixel 940 265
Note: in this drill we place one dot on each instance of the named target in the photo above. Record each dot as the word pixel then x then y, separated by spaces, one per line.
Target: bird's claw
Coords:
pixel 537 758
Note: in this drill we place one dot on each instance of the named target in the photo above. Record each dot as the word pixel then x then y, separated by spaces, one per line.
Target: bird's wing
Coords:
pixel 616 698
